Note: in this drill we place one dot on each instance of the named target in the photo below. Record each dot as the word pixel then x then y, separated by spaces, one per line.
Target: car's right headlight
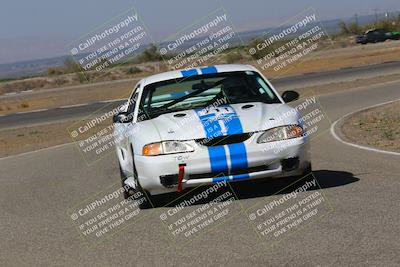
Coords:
pixel 281 133
pixel 166 147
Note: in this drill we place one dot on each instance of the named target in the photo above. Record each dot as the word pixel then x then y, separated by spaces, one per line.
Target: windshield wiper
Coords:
pixel 199 91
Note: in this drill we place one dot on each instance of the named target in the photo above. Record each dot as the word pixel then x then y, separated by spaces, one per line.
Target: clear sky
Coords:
pixel 43 27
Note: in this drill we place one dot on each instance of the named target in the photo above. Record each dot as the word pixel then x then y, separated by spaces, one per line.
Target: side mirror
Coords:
pixel 123 117
pixel 289 96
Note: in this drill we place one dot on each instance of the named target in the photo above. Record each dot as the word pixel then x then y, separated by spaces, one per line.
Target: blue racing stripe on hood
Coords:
pixel 219 122
pixel 212 129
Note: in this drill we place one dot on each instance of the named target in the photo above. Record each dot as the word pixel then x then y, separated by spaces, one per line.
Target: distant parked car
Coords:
pixel 395 35
pixel 377 35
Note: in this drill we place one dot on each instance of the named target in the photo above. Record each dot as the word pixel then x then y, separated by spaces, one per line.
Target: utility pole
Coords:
pixel 356 22
pixel 376 15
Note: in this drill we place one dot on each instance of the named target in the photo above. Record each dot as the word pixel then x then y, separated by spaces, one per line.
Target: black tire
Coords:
pixel 305 173
pixel 307 170
pixel 126 192
pixel 148 200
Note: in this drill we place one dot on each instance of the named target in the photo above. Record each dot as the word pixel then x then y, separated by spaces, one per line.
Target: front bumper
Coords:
pixel 278 159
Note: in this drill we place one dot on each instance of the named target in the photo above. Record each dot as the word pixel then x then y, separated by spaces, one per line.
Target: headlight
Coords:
pixel 281 133
pixel 166 147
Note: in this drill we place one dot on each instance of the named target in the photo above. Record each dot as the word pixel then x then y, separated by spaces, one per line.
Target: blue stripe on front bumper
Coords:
pixel 231 177
pixel 238 156
pixel 237 151
pixel 217 159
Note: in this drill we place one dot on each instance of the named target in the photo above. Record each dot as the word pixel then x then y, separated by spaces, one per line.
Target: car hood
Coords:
pixel 222 120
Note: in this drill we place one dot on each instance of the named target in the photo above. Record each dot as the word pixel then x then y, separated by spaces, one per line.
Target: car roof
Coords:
pixel 376 29
pixel 169 75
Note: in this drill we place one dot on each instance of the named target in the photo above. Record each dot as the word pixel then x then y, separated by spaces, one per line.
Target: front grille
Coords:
pixel 224 140
pixel 233 172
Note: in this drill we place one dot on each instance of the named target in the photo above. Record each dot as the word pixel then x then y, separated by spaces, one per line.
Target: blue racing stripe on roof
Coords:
pixel 179 94
pixel 190 72
pixel 209 70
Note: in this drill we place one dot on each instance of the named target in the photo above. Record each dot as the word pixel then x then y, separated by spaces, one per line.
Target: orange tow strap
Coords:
pixel 180 177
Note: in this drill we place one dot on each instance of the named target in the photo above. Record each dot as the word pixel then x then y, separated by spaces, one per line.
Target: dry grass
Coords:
pixel 53 99
pixel 378 127
pixel 330 59
pixel 15 141
pixel 24 105
pixel 347 85
pixel 24 139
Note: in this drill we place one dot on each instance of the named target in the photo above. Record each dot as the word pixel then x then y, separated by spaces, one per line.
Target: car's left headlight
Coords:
pixel 281 133
pixel 166 147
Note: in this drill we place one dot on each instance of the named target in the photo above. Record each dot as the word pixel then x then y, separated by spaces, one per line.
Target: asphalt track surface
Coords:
pixel 362 186
pixel 284 83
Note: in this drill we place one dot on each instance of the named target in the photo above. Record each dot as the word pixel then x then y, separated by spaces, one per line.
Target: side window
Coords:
pixel 133 99
pixel 142 115
pixel 133 102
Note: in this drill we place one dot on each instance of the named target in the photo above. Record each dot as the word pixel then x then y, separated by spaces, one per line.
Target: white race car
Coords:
pixel 181 129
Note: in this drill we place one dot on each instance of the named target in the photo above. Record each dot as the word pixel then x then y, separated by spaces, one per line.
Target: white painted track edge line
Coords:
pixel 32 111
pixel 37 150
pixel 74 106
pixel 333 133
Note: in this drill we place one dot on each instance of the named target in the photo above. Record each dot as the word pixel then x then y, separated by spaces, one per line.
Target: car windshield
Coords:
pixel 201 91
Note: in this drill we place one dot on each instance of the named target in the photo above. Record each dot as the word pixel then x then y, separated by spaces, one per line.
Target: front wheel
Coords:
pixel 307 170
pixel 142 197
pixel 305 173
pixel 127 190
pixel 145 199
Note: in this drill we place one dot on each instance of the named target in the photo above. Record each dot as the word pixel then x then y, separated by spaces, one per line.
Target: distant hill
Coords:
pixel 30 67
pixel 40 66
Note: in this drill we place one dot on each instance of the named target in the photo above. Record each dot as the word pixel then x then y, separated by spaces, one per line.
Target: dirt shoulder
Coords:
pixel 16 141
pixel 70 96
pixel 19 140
pixel 378 127
pixel 354 56
pixel 346 86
